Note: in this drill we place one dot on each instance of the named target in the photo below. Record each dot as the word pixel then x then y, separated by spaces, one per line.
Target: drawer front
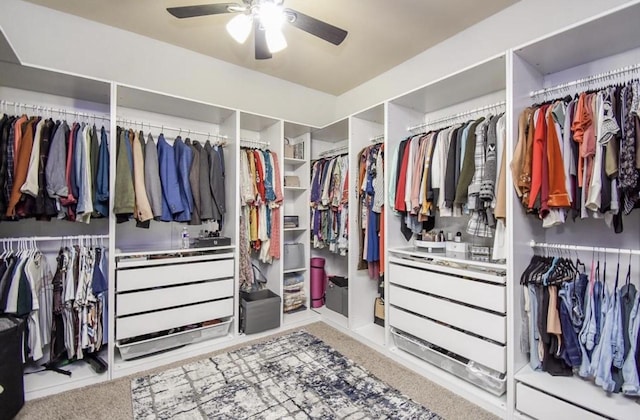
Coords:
pixel 473 348
pixel 167 297
pixel 135 325
pixel 167 275
pixel 483 295
pixel 543 406
pixel 476 321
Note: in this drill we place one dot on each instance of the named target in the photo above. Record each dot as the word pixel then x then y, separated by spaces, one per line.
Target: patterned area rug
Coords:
pixel 296 376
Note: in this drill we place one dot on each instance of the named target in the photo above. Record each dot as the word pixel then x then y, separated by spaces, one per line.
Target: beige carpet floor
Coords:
pixel 112 400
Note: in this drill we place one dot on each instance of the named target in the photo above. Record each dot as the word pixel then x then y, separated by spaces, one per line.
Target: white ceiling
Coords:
pixel 382 34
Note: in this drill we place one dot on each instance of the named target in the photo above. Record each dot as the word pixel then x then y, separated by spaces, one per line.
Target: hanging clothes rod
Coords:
pixel 52 110
pixel 535 244
pixel 587 81
pixel 377 139
pixel 437 121
pixel 53 238
pixel 334 151
pixel 245 141
pixel 163 128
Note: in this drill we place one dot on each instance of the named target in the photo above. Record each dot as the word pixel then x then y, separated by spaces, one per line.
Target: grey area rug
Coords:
pixel 296 376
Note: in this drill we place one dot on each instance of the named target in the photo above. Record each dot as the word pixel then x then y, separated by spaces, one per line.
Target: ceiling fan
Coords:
pixel 266 17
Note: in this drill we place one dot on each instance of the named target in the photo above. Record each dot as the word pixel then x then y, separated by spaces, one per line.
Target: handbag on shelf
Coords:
pixel 378 311
pixel 259 279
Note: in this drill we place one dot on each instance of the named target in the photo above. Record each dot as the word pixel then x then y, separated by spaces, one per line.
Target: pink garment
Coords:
pixel 274 249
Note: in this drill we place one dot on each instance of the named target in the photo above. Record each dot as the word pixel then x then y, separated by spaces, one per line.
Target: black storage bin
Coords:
pixel 11 373
pixel 259 311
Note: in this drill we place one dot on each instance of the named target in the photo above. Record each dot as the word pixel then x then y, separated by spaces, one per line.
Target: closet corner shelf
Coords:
pixel 580 392
pixel 295 270
pixel 410 251
pixel 298 229
pixel 295 188
pixel 294 161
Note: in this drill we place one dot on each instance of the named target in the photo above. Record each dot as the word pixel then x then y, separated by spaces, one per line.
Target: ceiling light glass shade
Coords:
pixel 239 27
pixel 275 40
pixel 271 16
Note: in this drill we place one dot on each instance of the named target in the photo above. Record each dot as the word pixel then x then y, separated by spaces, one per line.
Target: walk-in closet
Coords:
pixel 471 214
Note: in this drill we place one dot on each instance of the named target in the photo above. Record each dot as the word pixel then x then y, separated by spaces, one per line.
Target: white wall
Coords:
pixel 523 22
pixel 43 37
pixel 55 40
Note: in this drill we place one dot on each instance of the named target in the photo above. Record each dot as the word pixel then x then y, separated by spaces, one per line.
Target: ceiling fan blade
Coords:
pixel 260 40
pixel 204 10
pixel 316 27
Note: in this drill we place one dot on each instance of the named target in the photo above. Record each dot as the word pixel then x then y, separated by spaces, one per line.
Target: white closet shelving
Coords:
pixel 266 133
pixel 602 44
pixel 137 248
pixel 327 142
pixel 365 129
pixel 472 88
pixel 296 203
pixel 66 95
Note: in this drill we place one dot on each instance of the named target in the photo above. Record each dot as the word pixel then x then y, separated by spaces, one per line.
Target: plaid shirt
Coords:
pixel 478 224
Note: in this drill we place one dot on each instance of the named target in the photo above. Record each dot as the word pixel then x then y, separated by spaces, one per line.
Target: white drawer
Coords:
pixel 477 321
pixel 134 325
pixel 480 294
pixel 473 348
pixel 167 275
pixel 167 297
pixel 543 406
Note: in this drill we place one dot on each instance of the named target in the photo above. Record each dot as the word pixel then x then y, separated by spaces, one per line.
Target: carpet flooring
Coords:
pixel 112 400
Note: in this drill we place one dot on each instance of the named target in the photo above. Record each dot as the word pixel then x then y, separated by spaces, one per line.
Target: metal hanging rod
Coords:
pixel 377 139
pixel 53 238
pixel 52 110
pixel 334 151
pixel 251 143
pixel 167 128
pixel 496 106
pixel 535 244
pixel 587 81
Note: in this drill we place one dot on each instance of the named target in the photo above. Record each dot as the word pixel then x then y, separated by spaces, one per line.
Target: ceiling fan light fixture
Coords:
pixel 271 15
pixel 240 27
pixel 276 41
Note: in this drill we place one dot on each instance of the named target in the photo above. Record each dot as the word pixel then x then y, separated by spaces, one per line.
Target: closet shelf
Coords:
pixel 40 384
pixel 295 188
pixel 295 270
pixel 151 251
pixel 298 229
pixel 412 252
pixel 294 162
pixel 580 392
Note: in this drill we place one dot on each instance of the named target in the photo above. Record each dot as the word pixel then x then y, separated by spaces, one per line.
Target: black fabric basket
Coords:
pixel 11 372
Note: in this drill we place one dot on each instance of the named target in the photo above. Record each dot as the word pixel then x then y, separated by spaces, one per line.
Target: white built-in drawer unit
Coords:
pixel 160 294
pixel 542 406
pixel 461 309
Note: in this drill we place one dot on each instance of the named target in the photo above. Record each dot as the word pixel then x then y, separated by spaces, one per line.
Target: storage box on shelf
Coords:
pixel 259 311
pixel 337 295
